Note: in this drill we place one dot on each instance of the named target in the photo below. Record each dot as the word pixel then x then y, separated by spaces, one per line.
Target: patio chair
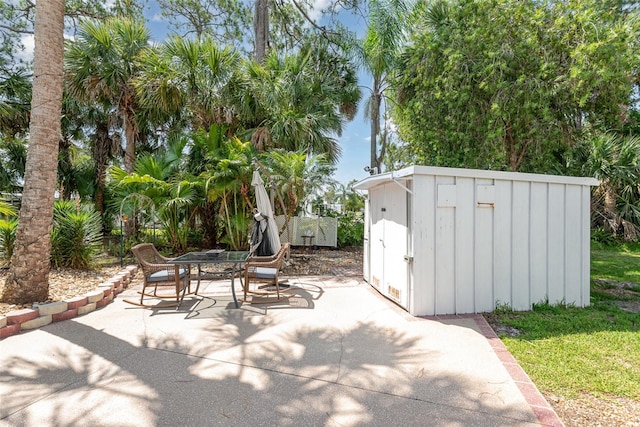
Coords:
pixel 157 272
pixel 263 271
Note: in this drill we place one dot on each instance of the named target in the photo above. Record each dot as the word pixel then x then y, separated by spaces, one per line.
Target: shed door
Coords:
pixel 388 242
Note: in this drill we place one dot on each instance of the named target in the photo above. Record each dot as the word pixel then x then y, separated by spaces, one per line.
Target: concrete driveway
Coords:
pixel 335 353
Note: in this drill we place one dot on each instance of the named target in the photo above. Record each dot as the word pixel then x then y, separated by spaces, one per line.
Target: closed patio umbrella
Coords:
pixel 265 239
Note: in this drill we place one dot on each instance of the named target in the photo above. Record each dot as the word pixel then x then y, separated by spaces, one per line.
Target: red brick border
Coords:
pixel 11 323
pixel 538 404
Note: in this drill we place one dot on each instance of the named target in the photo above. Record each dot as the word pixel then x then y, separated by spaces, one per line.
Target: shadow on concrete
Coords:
pixel 239 369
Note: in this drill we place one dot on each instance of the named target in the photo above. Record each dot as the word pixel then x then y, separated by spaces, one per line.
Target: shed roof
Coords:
pixel 409 172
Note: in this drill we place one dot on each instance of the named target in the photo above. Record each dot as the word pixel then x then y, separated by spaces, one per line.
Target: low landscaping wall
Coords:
pixel 43 314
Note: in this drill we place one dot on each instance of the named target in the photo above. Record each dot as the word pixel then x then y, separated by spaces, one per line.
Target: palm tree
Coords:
pixel 158 178
pixel 101 65
pixel 228 181
pixel 297 176
pixel 188 77
pixel 12 164
pixel 299 102
pixel 15 90
pixel 28 277
pixel 379 52
pixel 614 160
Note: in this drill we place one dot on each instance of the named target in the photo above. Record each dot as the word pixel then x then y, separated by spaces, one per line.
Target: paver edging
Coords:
pixel 43 314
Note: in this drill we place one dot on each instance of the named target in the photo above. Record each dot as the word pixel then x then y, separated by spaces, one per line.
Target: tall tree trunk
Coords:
pixel 375 127
pixel 130 133
pixel 101 154
pixel 261 30
pixel 28 277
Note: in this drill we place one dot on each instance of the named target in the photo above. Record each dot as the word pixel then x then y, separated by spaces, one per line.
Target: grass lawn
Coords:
pixel 570 351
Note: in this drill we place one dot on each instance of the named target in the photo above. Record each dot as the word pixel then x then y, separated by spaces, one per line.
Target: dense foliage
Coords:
pixel 512 85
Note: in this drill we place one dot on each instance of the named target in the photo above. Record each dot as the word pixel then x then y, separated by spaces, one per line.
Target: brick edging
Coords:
pixel 541 408
pixel 43 314
pixel 539 405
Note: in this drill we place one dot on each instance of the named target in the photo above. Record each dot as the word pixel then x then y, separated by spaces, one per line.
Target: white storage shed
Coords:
pixel 452 241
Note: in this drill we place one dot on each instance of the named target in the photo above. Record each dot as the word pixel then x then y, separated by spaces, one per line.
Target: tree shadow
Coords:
pixel 242 369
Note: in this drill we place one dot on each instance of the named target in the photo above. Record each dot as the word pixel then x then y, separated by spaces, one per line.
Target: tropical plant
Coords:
pixel 380 52
pixel 76 236
pixel 228 182
pixel 615 161
pixel 8 226
pixel 157 178
pixel 299 101
pixel 350 229
pixel 15 90
pixel 190 80
pixel 7 238
pixel 297 177
pixel 12 164
pixel 101 64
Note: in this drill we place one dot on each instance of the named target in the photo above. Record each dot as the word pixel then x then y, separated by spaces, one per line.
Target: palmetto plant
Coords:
pixel 190 79
pixel 615 161
pixel 76 236
pixel 298 102
pixel 101 64
pixel 297 176
pixel 7 238
pixel 12 163
pixel 8 225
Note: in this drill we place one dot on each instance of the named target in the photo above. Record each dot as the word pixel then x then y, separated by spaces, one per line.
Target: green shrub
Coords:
pixel 7 239
pixel 350 229
pixel 76 236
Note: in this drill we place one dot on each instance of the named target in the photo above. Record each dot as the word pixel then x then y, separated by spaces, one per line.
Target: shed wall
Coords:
pixel 478 242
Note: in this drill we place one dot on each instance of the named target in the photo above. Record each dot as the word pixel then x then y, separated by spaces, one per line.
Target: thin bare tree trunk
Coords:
pixel 261 30
pixel 28 278
pixel 130 147
pixel 375 126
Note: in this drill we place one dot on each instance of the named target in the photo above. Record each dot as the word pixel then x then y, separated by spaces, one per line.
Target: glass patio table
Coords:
pixel 214 256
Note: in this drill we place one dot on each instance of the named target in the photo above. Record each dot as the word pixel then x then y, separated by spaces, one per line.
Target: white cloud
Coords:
pixel 316 9
pixel 29 43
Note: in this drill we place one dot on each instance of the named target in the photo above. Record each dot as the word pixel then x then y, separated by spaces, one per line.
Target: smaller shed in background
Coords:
pixel 453 241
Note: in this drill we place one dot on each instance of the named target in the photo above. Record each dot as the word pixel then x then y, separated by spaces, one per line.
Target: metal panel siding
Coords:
pixel 424 250
pixel 556 242
pixel 366 262
pixel 502 243
pixel 573 254
pixel 585 220
pixel 464 234
pixel 514 242
pixel 538 236
pixel 520 222
pixel 445 296
pixel 483 254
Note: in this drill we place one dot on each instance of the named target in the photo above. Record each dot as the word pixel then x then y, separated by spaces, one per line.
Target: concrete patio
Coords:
pixel 334 353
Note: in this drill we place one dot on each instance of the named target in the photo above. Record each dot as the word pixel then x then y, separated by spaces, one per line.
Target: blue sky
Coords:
pixel 355 137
